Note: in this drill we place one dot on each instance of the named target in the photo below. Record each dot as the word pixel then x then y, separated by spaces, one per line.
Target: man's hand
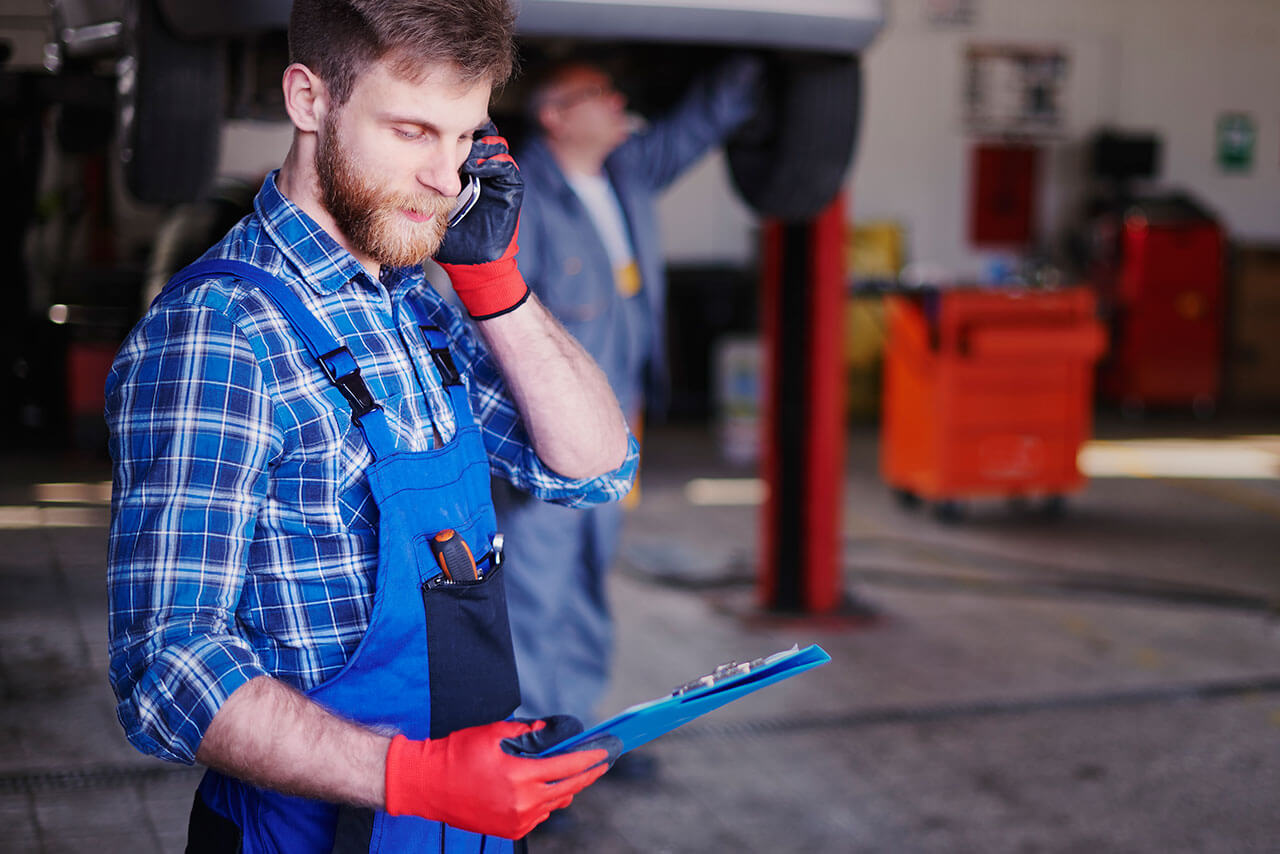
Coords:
pixel 468 781
pixel 479 252
pixel 741 73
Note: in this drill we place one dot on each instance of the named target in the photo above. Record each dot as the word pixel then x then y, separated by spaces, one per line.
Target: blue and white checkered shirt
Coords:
pixel 243 534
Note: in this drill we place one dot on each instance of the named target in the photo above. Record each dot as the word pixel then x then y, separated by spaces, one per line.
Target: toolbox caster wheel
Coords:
pixel 949 512
pixel 906 499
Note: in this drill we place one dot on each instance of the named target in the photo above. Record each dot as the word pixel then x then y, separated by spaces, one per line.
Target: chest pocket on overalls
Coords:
pixel 469 653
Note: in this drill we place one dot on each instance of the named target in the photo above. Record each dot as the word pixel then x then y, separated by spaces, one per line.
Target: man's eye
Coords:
pixel 408 133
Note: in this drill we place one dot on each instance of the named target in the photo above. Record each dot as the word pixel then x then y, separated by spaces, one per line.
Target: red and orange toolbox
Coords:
pixel 988 392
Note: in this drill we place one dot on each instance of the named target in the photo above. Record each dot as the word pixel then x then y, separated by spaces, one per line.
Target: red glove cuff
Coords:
pixel 488 290
pixel 406 774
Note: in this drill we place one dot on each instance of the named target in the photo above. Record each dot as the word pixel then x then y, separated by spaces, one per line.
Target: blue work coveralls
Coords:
pixel 436 656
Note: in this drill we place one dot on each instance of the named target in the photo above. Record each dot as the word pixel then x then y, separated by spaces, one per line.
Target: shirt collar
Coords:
pixel 320 260
pixel 537 157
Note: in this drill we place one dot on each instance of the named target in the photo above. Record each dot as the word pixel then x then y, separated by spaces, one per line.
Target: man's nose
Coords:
pixel 440 173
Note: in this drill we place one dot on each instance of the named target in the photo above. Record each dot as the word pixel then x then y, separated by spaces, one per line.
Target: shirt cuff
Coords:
pixel 173 703
pixel 612 486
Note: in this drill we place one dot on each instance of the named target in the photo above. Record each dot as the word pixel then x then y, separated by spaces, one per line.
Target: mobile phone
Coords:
pixel 466 199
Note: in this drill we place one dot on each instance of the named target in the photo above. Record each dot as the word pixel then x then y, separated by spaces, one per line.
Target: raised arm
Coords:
pixel 568 408
pixel 715 105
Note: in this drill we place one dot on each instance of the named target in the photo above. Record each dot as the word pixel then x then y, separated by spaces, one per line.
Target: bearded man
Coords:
pixel 304 571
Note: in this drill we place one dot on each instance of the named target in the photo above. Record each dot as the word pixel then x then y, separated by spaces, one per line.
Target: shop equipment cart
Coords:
pixel 988 393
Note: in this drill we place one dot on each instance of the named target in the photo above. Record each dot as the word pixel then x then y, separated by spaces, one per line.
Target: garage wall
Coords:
pixel 1169 66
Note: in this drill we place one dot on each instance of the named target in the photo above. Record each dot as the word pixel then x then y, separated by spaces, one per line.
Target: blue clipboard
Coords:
pixel 646 721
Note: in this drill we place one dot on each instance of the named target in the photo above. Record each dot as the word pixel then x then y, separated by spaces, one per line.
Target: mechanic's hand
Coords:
pixel 468 781
pixel 741 73
pixel 479 252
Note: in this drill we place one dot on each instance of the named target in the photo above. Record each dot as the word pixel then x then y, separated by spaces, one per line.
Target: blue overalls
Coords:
pixel 437 655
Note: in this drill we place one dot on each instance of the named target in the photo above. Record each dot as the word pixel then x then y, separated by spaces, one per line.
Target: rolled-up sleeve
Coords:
pixel 191 436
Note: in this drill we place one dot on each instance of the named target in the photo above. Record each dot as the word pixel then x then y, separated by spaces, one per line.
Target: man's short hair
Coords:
pixel 339 39
pixel 542 88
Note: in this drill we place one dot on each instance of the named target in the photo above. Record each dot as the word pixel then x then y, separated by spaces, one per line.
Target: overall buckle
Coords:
pixel 440 355
pixel 351 384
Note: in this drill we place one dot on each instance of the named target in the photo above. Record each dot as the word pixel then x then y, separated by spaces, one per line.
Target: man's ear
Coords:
pixel 549 120
pixel 306 98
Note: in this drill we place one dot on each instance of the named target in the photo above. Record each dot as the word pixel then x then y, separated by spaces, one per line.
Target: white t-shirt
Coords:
pixel 605 210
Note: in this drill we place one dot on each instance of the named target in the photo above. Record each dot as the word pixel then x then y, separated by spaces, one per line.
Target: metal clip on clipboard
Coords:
pixel 721 673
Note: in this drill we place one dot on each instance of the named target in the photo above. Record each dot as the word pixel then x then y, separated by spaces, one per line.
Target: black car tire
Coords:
pixel 171 107
pixel 789 160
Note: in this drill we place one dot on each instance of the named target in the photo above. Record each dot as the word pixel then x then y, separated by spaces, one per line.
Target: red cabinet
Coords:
pixel 1165 301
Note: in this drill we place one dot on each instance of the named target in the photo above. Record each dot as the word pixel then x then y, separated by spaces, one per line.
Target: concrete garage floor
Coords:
pixel 1104 682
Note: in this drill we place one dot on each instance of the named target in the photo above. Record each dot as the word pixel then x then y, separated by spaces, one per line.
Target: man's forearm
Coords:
pixel 570 411
pixel 271 735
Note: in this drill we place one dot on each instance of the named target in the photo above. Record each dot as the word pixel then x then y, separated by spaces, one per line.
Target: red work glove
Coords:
pixel 479 252
pixel 468 781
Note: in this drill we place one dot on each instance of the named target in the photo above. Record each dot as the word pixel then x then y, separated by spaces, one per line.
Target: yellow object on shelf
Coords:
pixel 864 339
pixel 874 250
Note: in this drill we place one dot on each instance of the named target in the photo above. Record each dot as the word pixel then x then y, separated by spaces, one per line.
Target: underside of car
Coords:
pixel 177 70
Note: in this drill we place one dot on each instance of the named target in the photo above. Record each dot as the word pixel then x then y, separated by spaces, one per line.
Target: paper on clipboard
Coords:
pixel 646 721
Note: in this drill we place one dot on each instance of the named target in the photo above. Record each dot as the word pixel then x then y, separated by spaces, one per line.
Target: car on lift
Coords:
pixel 181 67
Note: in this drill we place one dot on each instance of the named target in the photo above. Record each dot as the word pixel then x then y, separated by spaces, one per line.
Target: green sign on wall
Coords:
pixel 1237 134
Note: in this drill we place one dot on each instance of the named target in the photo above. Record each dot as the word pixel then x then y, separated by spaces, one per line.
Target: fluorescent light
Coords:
pixel 1239 458
pixel 74 493
pixel 725 491
pixel 29 517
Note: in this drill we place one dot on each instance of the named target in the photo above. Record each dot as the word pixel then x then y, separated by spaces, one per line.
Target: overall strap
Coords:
pixel 335 360
pixel 450 380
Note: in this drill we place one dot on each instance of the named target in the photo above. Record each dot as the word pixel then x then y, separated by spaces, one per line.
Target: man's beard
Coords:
pixel 373 219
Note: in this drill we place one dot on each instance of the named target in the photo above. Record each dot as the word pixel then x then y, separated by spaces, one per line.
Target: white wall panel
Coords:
pixel 1169 66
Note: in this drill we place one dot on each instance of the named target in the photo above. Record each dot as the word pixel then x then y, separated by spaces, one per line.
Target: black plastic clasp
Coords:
pixel 441 356
pixel 352 386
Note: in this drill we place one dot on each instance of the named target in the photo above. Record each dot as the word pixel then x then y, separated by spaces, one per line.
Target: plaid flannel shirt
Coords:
pixel 243 535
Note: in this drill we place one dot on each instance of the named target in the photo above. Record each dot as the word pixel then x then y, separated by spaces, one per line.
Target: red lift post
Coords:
pixel 803 448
